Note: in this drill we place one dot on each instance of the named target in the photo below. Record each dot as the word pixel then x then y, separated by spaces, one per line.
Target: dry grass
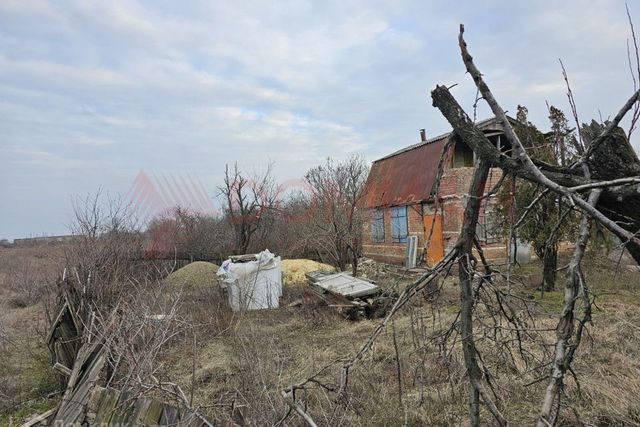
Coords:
pixel 242 361
pixel 267 351
pixel 26 377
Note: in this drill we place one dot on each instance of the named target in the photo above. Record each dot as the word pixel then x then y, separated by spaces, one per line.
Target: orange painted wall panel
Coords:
pixel 435 251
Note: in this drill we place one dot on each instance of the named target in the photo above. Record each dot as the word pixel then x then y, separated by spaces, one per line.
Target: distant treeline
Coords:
pixel 33 241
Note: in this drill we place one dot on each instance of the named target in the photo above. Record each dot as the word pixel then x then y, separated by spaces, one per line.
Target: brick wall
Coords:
pixel 453 190
pixel 389 252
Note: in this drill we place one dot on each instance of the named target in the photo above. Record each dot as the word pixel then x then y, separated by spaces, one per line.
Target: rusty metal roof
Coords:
pixel 404 177
pixel 407 175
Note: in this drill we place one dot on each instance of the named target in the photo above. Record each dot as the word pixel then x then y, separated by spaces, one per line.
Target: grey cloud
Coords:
pixel 93 92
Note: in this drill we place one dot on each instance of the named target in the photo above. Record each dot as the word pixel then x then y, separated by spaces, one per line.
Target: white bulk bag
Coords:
pixel 255 284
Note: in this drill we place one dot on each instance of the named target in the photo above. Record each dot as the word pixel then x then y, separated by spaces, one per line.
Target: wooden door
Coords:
pixel 435 249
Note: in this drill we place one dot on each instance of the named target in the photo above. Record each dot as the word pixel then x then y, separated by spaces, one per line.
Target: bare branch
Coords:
pixel 565 330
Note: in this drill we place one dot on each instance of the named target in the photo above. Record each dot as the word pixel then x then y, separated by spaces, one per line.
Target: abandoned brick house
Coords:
pixel 401 200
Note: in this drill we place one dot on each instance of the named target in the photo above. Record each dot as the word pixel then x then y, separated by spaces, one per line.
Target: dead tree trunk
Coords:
pixel 466 268
pixel 466 274
pixel 612 159
pixel 620 197
pixel 549 265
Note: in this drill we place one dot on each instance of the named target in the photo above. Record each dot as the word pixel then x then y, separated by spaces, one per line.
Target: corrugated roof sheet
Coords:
pixel 480 124
pixel 405 177
pixel 344 284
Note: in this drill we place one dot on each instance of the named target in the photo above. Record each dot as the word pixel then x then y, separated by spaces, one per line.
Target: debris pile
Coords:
pixel 355 297
pixel 80 355
pixel 378 271
pixel 294 271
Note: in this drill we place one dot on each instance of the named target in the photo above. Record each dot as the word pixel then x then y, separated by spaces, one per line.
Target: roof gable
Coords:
pixel 407 175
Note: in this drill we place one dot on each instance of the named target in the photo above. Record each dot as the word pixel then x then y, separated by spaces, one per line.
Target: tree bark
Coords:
pixel 466 272
pixel 615 158
pixel 354 262
pixel 549 265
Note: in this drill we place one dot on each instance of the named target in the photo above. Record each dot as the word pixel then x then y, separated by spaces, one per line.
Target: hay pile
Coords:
pixel 293 271
pixel 198 274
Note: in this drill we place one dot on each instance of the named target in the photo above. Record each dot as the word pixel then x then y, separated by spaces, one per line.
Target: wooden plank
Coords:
pixel 62 369
pixel 55 323
pixel 124 409
pixel 106 406
pixel 170 416
pixel 40 418
pixel 92 405
pixel 140 409
pixel 191 420
pixel 243 258
pixel 81 383
pixel 154 413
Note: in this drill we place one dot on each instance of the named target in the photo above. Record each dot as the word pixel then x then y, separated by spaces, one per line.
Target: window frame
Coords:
pixel 377 226
pixel 397 214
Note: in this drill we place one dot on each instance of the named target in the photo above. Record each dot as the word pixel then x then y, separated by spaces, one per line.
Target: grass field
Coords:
pixel 239 363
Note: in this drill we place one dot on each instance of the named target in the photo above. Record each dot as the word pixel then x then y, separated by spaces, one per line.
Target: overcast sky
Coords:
pixel 92 93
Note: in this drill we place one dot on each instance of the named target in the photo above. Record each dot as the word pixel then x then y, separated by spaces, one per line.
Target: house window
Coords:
pixel 399 224
pixel 377 226
pixel 462 155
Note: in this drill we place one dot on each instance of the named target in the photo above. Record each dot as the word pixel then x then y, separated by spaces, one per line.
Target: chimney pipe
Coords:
pixel 423 135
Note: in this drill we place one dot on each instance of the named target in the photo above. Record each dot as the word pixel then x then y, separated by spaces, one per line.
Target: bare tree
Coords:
pixel 286 227
pixel 336 217
pixel 608 147
pixel 247 200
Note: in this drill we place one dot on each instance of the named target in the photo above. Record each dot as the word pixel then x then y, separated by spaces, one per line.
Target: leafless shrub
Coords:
pixel 207 310
pixel 127 307
pixel 136 332
pixel 28 282
pixel 107 246
pixel 259 357
pixel 184 234
pixel 129 313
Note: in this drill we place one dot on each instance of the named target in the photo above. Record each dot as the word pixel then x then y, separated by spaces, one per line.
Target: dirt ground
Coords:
pixel 239 363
